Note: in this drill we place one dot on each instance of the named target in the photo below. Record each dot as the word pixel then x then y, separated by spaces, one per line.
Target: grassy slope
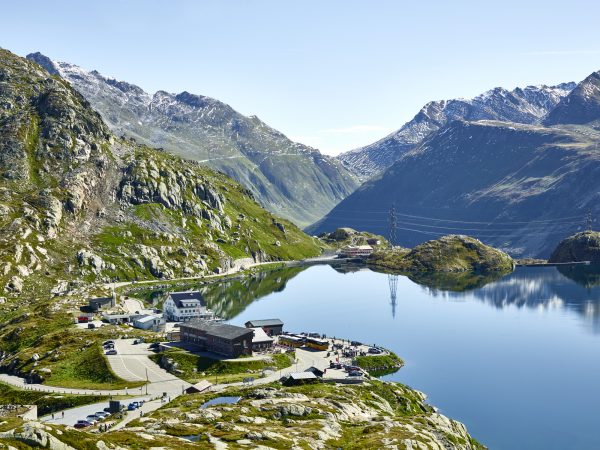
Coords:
pixel 447 254
pixel 45 402
pixel 225 371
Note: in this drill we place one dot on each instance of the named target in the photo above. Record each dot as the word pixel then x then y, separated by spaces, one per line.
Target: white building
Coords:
pixel 154 322
pixel 185 306
pixel 356 251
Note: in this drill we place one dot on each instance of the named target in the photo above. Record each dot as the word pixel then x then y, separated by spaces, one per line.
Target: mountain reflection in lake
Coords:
pixel 516 358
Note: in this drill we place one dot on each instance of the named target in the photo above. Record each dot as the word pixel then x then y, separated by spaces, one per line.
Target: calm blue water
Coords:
pixel 518 360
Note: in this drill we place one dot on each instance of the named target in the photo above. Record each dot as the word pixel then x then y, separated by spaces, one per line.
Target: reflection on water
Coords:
pixel 538 287
pixel 588 276
pixel 507 356
pixel 230 297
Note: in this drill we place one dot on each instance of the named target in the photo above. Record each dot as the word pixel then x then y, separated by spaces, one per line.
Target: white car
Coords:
pixel 102 415
pixel 92 419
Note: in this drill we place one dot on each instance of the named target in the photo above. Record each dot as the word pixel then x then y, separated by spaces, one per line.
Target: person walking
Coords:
pixel 52 416
pixel 63 415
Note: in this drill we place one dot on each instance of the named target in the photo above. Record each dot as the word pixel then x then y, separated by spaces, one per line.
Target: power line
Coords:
pixel 492 221
pixel 539 226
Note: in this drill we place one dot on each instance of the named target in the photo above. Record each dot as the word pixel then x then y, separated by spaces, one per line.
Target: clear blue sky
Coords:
pixel 332 74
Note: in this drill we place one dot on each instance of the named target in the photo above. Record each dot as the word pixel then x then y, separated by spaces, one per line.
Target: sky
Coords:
pixel 332 74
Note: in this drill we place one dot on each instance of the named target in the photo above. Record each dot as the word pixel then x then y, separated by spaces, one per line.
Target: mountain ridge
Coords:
pixel 521 105
pixel 288 178
pixel 81 206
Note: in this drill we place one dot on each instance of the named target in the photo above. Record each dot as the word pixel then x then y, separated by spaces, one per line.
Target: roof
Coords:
pixel 116 316
pixel 315 370
pixel 302 376
pixel 100 300
pixel 148 318
pixel 260 336
pixel 200 386
pixel 218 329
pixel 178 297
pixel 264 323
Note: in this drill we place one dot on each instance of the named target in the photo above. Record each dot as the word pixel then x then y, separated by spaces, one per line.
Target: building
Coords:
pixel 217 337
pixel 96 304
pixel 373 241
pixel 185 306
pixel 153 322
pixel 273 327
pixel 201 386
pixel 356 251
pixel 116 319
pixel 261 341
pixel 316 371
pixel 297 378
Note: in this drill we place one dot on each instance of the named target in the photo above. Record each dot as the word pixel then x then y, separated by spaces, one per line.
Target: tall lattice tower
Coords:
pixel 393 225
pixel 393 279
pixel 589 221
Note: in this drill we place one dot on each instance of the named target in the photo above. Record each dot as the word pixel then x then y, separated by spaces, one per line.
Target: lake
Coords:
pixel 517 359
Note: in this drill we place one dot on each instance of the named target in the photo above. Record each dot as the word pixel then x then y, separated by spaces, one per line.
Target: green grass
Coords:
pixel 379 365
pixel 87 369
pixel 45 402
pixel 224 371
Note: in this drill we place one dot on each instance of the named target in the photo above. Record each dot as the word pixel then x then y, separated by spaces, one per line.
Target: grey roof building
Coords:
pixel 271 326
pixel 217 337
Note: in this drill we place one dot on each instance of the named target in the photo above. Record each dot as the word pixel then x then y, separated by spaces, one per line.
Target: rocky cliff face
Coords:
pixel 584 246
pixel 78 203
pixel 528 106
pixel 289 179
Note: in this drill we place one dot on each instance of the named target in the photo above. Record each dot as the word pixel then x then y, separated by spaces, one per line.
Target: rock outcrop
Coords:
pixel 584 246
pixel 453 253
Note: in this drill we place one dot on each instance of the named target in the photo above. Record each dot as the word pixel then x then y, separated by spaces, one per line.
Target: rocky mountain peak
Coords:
pixel 43 61
pixel 521 105
pixel 288 178
pixel 581 106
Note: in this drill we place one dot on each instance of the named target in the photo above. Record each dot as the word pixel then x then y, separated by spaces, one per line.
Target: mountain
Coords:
pixel 581 106
pixel 78 204
pixel 287 178
pixel 517 187
pixel 528 105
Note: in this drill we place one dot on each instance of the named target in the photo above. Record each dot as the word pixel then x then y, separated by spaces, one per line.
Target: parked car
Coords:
pixel 111 352
pixel 102 415
pixel 154 345
pixel 82 424
pixel 355 343
pixel 108 343
pixel 375 351
pixel 132 406
pixel 92 419
pixel 355 373
pixel 109 346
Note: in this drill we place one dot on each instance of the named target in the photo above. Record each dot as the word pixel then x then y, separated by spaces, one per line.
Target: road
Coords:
pixel 131 363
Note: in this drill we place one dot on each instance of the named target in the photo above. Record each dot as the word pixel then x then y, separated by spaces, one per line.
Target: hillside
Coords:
pixel 521 105
pixel 287 178
pixel 520 188
pixel 450 253
pixel 78 204
pixel 584 246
